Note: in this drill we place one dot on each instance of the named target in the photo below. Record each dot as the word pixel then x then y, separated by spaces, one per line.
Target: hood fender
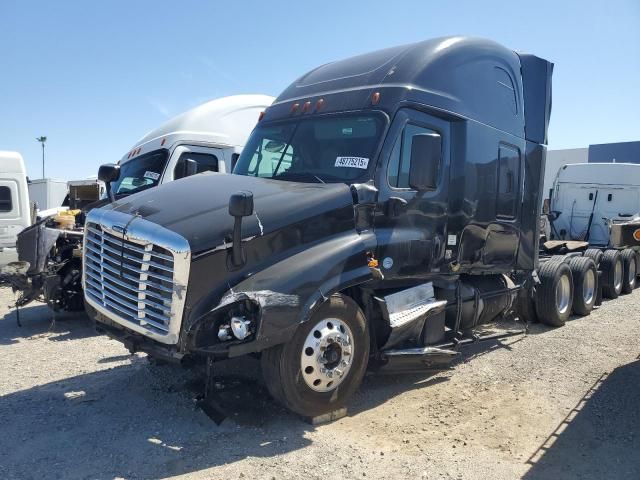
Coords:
pixel 307 279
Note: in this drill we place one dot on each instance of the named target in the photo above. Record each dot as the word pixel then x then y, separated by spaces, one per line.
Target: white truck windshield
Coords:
pixel 140 173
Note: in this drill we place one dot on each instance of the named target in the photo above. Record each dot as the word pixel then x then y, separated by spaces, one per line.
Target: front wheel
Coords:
pixel 322 366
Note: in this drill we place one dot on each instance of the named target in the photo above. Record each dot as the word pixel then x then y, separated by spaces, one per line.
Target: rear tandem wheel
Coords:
pixel 585 284
pixel 554 295
pixel 612 269
pixel 630 270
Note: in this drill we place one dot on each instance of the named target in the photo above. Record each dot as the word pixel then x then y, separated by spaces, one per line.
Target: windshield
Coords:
pixel 140 173
pixel 315 149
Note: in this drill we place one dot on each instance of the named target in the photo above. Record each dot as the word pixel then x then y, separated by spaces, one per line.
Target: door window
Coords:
pixel 400 161
pixel 508 182
pixel 207 162
pixel 6 204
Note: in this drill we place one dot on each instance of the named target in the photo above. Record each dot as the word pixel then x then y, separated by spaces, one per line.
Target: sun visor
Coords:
pixel 536 81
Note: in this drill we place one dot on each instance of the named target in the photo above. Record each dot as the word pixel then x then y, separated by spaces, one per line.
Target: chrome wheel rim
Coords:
pixel 563 294
pixel 327 355
pixel 589 287
pixel 617 276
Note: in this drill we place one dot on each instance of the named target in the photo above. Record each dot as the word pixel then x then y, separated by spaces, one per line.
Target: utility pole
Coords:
pixel 42 140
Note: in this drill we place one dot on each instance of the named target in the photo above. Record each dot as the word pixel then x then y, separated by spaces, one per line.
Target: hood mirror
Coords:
pixel 107 173
pixel 240 205
pixel 426 156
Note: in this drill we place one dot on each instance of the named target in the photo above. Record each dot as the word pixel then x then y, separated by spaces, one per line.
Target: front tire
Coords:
pixel 322 366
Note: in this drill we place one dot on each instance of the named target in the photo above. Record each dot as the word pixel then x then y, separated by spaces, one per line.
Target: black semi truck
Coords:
pixel 384 207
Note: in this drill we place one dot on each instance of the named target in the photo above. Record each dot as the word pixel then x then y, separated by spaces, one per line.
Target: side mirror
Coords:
pixel 109 172
pixel 240 205
pixel 185 168
pixel 190 167
pixel 426 156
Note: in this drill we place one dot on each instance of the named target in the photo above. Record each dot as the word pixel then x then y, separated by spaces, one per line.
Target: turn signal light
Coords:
pixel 636 235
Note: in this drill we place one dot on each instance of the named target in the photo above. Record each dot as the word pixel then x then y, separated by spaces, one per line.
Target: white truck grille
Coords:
pixel 135 273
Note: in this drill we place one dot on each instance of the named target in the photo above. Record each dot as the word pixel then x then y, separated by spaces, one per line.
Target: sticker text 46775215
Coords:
pixel 352 162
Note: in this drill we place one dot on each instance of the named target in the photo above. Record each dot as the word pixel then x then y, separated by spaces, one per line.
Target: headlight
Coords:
pixel 238 327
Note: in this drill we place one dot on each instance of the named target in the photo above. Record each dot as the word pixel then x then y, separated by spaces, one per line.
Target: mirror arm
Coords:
pixel 236 249
pixel 110 193
pixel 240 205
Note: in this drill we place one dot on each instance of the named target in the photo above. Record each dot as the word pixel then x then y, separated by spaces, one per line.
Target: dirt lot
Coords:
pixel 554 404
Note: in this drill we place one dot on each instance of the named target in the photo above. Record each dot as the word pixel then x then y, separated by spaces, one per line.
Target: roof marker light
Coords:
pixel 129 156
pixel 319 104
pixel 306 107
pixel 162 142
pixel 294 107
pixel 261 116
pixel 375 98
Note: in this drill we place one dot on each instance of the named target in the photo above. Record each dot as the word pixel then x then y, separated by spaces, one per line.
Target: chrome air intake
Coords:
pixel 136 273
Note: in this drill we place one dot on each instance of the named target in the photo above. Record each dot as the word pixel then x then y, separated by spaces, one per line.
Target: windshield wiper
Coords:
pixel 135 190
pixel 298 175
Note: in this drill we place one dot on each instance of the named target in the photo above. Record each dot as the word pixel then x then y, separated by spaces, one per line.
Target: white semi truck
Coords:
pixel 209 137
pixel 592 197
pixel 14 198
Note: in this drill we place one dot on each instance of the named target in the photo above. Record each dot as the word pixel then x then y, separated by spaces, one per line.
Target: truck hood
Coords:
pixel 197 207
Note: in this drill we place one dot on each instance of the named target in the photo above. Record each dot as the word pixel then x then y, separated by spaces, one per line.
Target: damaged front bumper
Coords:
pixel 133 341
pixel 269 317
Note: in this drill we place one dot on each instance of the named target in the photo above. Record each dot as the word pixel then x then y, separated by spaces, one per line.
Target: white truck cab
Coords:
pixel 14 198
pixel 211 135
pixel 590 196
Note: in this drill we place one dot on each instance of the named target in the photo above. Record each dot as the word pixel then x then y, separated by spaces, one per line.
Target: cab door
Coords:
pixel 13 217
pixel 207 159
pixel 411 225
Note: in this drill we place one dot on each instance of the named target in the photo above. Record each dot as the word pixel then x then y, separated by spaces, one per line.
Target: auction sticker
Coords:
pixel 352 162
pixel 151 175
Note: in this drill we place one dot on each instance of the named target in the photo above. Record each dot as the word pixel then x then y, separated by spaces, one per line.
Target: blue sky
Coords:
pixel 95 76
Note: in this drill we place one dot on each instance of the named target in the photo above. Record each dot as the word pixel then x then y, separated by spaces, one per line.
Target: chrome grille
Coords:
pixel 135 272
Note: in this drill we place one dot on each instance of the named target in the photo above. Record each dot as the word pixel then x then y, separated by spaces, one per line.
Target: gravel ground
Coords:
pixel 555 404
